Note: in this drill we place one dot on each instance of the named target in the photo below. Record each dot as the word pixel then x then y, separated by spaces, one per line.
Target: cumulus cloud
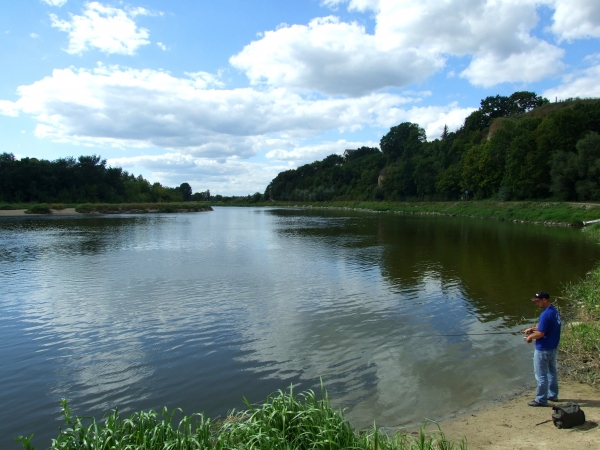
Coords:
pixel 582 84
pixel 332 57
pixel 307 153
pixel 8 108
pixel 536 61
pixel 412 40
pixel 576 19
pixel 143 108
pixel 431 118
pixel 58 3
pixel 353 5
pixel 108 29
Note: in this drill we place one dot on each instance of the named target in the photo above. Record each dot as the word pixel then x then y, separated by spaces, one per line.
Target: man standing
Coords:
pixel 547 336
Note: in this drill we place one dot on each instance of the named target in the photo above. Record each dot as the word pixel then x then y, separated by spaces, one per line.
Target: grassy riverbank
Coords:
pixel 284 421
pixel 580 341
pixel 109 208
pixel 550 213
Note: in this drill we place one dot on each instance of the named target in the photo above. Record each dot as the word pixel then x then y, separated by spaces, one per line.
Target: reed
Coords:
pixel 284 421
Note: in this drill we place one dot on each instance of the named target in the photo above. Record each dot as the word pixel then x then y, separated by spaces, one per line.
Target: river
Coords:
pixel 200 310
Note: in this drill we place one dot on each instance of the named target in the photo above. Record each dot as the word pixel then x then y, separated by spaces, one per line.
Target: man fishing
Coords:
pixel 547 337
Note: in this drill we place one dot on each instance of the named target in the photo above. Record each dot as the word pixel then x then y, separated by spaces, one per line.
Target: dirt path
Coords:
pixel 514 425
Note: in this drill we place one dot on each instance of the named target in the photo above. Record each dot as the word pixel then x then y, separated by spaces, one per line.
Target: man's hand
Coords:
pixel 533 334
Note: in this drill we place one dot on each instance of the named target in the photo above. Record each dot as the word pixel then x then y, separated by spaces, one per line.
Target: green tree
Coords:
pixel 403 141
pixel 186 191
pixel 588 167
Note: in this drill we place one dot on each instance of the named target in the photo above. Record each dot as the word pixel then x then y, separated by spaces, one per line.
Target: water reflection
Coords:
pixel 200 310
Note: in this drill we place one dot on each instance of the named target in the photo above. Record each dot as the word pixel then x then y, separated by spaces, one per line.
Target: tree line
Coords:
pixel 516 147
pixel 86 179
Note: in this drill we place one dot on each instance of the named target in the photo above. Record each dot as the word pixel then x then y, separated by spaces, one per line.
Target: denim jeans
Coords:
pixel 544 364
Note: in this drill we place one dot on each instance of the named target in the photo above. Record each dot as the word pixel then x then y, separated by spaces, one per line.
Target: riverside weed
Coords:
pixel 284 421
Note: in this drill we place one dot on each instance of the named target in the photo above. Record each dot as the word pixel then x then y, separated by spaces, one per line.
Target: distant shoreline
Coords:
pixel 72 212
pixel 55 212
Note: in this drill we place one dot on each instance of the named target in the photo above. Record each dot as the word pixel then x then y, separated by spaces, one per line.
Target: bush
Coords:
pixel 38 209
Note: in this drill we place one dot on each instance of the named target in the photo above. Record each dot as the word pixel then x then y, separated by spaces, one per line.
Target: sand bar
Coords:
pixel 55 212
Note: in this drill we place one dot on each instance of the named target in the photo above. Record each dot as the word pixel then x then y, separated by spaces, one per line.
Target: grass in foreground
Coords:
pixel 580 340
pixel 284 421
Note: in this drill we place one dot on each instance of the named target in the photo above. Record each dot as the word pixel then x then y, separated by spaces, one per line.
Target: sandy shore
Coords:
pixel 514 425
pixel 55 212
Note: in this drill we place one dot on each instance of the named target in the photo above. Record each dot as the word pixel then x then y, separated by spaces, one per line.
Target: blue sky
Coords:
pixel 225 95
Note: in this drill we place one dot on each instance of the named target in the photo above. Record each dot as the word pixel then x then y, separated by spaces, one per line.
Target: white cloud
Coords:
pixel 110 30
pixel 203 80
pixel 145 108
pixel 582 84
pixel 162 46
pixel 537 61
pixel 309 153
pixel 431 118
pixel 412 40
pixel 58 3
pixel 353 5
pixel 33 35
pixel 8 108
pixel 332 57
pixel 496 34
pixel 228 177
pixel 576 19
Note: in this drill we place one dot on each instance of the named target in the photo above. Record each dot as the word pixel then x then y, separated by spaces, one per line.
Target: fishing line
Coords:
pixel 515 333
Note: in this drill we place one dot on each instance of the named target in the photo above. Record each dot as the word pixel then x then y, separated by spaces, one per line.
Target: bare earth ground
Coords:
pixel 21 212
pixel 514 425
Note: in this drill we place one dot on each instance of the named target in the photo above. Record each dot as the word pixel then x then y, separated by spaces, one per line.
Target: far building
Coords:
pixel 347 152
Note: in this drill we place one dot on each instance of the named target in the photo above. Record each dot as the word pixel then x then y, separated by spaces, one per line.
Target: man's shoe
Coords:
pixel 534 403
pixel 553 399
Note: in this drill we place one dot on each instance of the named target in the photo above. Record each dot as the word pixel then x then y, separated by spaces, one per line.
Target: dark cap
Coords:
pixel 540 295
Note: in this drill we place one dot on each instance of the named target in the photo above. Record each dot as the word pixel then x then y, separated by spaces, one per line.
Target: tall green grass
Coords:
pixel 284 421
pixel 580 341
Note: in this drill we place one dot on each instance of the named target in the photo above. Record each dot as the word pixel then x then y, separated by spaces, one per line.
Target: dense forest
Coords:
pixel 83 180
pixel 514 147
pixel 519 147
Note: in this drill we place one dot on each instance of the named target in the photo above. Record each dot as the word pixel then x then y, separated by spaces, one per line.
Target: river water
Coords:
pixel 201 310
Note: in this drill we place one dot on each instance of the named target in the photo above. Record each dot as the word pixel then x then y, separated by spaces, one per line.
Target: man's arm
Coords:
pixel 534 334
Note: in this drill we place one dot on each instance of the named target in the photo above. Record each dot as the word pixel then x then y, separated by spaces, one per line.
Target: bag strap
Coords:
pixel 566 405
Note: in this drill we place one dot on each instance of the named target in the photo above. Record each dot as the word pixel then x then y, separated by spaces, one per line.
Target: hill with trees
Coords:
pixel 518 147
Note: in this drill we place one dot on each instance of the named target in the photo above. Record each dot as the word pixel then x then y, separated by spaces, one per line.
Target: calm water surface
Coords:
pixel 199 310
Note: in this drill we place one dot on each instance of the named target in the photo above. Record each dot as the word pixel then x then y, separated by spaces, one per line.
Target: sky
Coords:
pixel 226 94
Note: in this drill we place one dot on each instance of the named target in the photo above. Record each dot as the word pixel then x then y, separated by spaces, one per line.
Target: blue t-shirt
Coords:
pixel 550 325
